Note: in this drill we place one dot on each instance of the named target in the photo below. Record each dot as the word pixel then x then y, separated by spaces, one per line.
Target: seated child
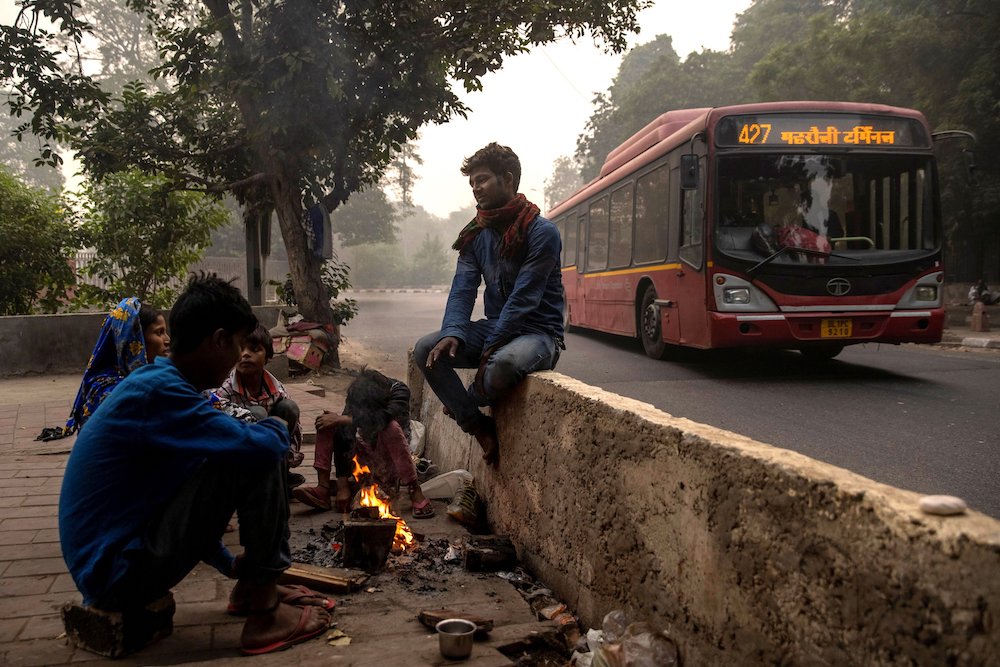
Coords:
pixel 251 387
pixel 155 476
pixel 375 426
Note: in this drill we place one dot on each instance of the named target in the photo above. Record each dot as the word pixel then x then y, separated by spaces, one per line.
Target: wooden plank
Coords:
pixel 336 580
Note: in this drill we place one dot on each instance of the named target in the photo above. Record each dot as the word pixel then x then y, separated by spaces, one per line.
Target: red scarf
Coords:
pixel 511 220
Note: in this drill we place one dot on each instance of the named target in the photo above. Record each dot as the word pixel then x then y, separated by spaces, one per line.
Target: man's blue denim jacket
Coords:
pixel 524 294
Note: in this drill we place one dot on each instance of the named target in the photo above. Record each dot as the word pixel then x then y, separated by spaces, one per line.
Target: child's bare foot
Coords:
pixel 281 627
pixel 342 501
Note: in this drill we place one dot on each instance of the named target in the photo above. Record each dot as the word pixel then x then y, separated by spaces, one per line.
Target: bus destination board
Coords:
pixel 846 130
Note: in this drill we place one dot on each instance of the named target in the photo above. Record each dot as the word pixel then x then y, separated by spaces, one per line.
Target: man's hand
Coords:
pixel 447 345
pixel 481 372
pixel 331 420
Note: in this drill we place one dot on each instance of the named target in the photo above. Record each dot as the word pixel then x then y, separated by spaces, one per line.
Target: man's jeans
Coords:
pixel 504 370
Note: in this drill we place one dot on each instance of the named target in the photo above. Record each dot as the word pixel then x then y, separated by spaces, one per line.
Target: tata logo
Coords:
pixel 838 286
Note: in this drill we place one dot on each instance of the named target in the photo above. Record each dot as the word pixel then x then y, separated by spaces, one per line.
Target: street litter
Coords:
pixel 337 638
pixel 622 644
pixel 446 485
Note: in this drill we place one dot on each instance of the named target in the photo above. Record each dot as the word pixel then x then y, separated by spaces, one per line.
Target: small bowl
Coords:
pixel 455 637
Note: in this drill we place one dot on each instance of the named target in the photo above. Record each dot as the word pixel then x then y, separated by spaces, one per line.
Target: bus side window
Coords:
pixel 569 242
pixel 693 222
pixel 581 237
pixel 652 195
pixel 597 235
pixel 620 241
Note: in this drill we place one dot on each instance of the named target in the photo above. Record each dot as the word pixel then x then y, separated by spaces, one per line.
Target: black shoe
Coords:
pixel 295 479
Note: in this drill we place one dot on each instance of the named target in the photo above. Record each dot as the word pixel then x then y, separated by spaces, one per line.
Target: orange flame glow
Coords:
pixel 369 497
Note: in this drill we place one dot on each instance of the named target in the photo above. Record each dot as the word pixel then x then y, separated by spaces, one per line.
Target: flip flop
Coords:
pixel 297 593
pixel 298 635
pixel 423 509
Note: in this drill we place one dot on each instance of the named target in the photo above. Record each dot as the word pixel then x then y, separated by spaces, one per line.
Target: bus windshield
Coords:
pixel 863 208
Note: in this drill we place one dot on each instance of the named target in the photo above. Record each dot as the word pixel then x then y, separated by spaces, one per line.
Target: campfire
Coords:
pixel 369 497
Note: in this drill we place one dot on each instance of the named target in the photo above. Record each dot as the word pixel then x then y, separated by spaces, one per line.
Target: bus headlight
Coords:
pixel 736 295
pixel 926 293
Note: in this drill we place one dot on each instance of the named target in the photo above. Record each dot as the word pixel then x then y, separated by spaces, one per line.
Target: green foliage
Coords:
pixel 145 236
pixel 19 157
pixel 38 244
pixel 379 265
pixel 563 181
pixel 651 80
pixel 282 103
pixel 336 280
pixel 430 263
pixel 367 217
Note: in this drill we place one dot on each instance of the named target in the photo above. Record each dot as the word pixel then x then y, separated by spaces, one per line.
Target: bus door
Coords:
pixel 690 277
pixel 655 250
pixel 572 261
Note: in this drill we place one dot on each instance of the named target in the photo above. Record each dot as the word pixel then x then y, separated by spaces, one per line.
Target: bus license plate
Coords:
pixel 835 328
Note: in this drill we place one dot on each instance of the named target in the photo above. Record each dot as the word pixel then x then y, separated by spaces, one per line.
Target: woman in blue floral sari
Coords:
pixel 132 335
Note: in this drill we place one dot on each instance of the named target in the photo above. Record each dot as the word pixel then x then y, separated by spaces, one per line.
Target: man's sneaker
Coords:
pixel 464 508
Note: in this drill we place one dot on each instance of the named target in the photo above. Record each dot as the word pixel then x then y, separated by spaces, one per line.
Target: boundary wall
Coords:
pixel 746 553
pixel 61 344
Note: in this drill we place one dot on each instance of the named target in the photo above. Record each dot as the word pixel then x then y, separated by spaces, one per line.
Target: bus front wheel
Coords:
pixel 650 330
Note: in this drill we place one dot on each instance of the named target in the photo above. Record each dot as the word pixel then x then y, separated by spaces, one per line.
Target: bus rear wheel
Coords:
pixel 821 352
pixel 650 330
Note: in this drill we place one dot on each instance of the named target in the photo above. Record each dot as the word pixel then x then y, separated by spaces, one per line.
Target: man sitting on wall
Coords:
pixel 517 253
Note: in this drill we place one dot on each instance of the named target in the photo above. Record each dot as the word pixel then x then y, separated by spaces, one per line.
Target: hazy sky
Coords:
pixel 539 102
pixel 554 87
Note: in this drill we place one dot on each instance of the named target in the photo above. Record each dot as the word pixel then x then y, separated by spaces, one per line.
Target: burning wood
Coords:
pixel 369 496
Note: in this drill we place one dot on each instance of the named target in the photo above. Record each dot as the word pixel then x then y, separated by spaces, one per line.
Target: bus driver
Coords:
pixel 517 253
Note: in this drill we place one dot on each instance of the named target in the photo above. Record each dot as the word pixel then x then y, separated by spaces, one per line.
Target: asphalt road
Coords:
pixel 921 418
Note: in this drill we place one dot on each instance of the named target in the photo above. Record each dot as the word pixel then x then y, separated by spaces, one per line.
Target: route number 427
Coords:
pixel 754 133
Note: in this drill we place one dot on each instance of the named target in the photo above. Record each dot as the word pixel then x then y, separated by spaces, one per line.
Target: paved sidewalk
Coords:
pixel 962 337
pixel 34 583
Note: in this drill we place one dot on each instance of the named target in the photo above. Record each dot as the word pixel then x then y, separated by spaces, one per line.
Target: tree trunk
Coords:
pixel 253 224
pixel 305 267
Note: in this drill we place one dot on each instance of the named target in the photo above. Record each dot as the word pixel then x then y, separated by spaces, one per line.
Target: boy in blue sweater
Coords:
pixel 153 480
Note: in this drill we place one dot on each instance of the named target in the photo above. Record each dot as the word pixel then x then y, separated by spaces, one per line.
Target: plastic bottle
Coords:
pixel 614 626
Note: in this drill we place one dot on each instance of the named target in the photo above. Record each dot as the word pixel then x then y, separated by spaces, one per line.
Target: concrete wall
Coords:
pixel 748 554
pixel 56 344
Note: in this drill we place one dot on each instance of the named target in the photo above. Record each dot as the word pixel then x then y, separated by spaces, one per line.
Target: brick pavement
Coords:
pixel 34 582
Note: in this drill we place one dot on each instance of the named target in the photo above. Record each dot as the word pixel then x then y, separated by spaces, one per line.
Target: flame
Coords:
pixel 369 497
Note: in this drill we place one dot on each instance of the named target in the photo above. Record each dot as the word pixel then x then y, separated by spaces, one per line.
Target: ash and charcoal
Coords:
pixel 325 549
pixel 424 568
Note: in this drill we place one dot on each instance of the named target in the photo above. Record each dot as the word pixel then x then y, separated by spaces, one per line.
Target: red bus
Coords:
pixel 800 225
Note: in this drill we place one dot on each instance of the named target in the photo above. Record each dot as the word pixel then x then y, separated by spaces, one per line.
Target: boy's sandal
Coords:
pixel 317 497
pixel 293 594
pixel 297 635
pixel 423 509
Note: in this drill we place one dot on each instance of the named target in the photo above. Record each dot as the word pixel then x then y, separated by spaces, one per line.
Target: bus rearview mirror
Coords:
pixel 689 172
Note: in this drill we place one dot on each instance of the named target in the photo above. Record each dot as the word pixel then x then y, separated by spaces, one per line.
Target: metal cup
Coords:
pixel 455 637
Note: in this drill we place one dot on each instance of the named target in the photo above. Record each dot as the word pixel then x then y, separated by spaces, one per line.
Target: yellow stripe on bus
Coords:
pixel 622 272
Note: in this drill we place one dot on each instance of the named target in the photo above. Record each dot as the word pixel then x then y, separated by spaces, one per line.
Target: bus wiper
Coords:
pixel 807 251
